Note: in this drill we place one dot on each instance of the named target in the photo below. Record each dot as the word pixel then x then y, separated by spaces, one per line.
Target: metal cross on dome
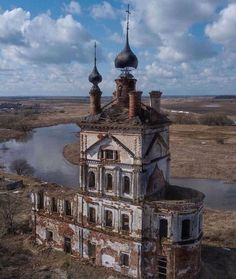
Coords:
pixel 128 13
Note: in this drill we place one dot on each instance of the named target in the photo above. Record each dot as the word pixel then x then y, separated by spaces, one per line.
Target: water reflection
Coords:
pixel 43 150
pixel 219 194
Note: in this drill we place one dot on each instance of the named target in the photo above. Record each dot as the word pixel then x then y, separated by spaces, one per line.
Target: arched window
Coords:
pixel 185 229
pixel 91 180
pixel 126 186
pixel 109 182
pixel 163 230
pixel 125 222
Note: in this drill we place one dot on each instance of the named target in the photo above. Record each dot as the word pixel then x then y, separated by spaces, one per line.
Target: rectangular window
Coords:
pixel 186 229
pixel 91 250
pixel 92 215
pixel 54 205
pixel 108 218
pixel 67 245
pixel 68 208
pixel 163 229
pixel 40 200
pixel 162 264
pixel 124 259
pixel 49 235
pixel 109 154
pixel 125 222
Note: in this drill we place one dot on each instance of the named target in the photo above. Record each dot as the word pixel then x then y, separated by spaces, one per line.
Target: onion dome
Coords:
pixel 95 78
pixel 126 58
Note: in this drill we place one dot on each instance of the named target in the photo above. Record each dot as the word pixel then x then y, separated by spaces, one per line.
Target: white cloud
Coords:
pixel 72 8
pixel 103 10
pixel 12 26
pixel 166 24
pixel 115 37
pixel 223 30
pixel 43 39
pixel 42 55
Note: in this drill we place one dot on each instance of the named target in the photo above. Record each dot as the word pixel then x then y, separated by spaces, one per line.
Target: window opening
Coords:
pixel 68 208
pixel 162 265
pixel 108 218
pixel 124 259
pixel 163 230
pixel 67 245
pixel 185 229
pixel 126 185
pixel 109 182
pixel 92 215
pixel 125 222
pixel 54 205
pixel 91 180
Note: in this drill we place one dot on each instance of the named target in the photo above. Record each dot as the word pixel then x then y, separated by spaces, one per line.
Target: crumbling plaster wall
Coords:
pixel 117 208
pixel 108 247
pixel 174 217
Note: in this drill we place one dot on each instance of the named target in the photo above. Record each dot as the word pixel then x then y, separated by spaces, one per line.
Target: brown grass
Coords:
pixel 196 151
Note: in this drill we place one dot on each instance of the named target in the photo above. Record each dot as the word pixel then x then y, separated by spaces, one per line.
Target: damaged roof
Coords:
pixel 116 114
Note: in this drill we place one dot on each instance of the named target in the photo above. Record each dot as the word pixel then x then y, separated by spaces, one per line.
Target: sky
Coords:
pixel 184 47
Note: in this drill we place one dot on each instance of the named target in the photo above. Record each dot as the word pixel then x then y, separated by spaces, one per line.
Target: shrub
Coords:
pixel 183 118
pixel 213 119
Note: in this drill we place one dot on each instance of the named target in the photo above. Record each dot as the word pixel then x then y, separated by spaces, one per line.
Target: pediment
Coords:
pixel 108 142
pixel 157 139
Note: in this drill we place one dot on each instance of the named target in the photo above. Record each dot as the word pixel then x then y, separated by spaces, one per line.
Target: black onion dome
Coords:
pixel 126 58
pixel 95 78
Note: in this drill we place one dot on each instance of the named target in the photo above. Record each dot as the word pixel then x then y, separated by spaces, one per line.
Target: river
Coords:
pixel 42 149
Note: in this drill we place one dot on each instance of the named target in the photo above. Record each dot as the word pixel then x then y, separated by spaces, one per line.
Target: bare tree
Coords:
pixel 8 210
pixel 21 167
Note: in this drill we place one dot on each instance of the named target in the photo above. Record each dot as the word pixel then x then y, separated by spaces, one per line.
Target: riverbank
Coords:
pixel 21 258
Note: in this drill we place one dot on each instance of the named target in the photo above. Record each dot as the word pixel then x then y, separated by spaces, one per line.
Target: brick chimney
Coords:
pixel 155 100
pixel 124 85
pixel 95 100
pixel 134 103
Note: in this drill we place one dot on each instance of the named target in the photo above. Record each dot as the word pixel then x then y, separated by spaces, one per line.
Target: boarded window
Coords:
pixel 125 222
pixel 54 205
pixel 92 215
pixel 163 230
pixel 91 180
pixel 124 259
pixel 185 229
pixel 91 250
pixel 40 200
pixel 49 235
pixel 108 218
pixel 126 188
pixel 109 182
pixel 67 208
pixel 162 264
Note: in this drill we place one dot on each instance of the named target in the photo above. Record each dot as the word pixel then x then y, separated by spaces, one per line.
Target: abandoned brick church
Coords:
pixel 124 215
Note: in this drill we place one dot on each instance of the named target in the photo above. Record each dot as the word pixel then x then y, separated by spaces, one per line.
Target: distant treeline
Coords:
pixel 225 97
